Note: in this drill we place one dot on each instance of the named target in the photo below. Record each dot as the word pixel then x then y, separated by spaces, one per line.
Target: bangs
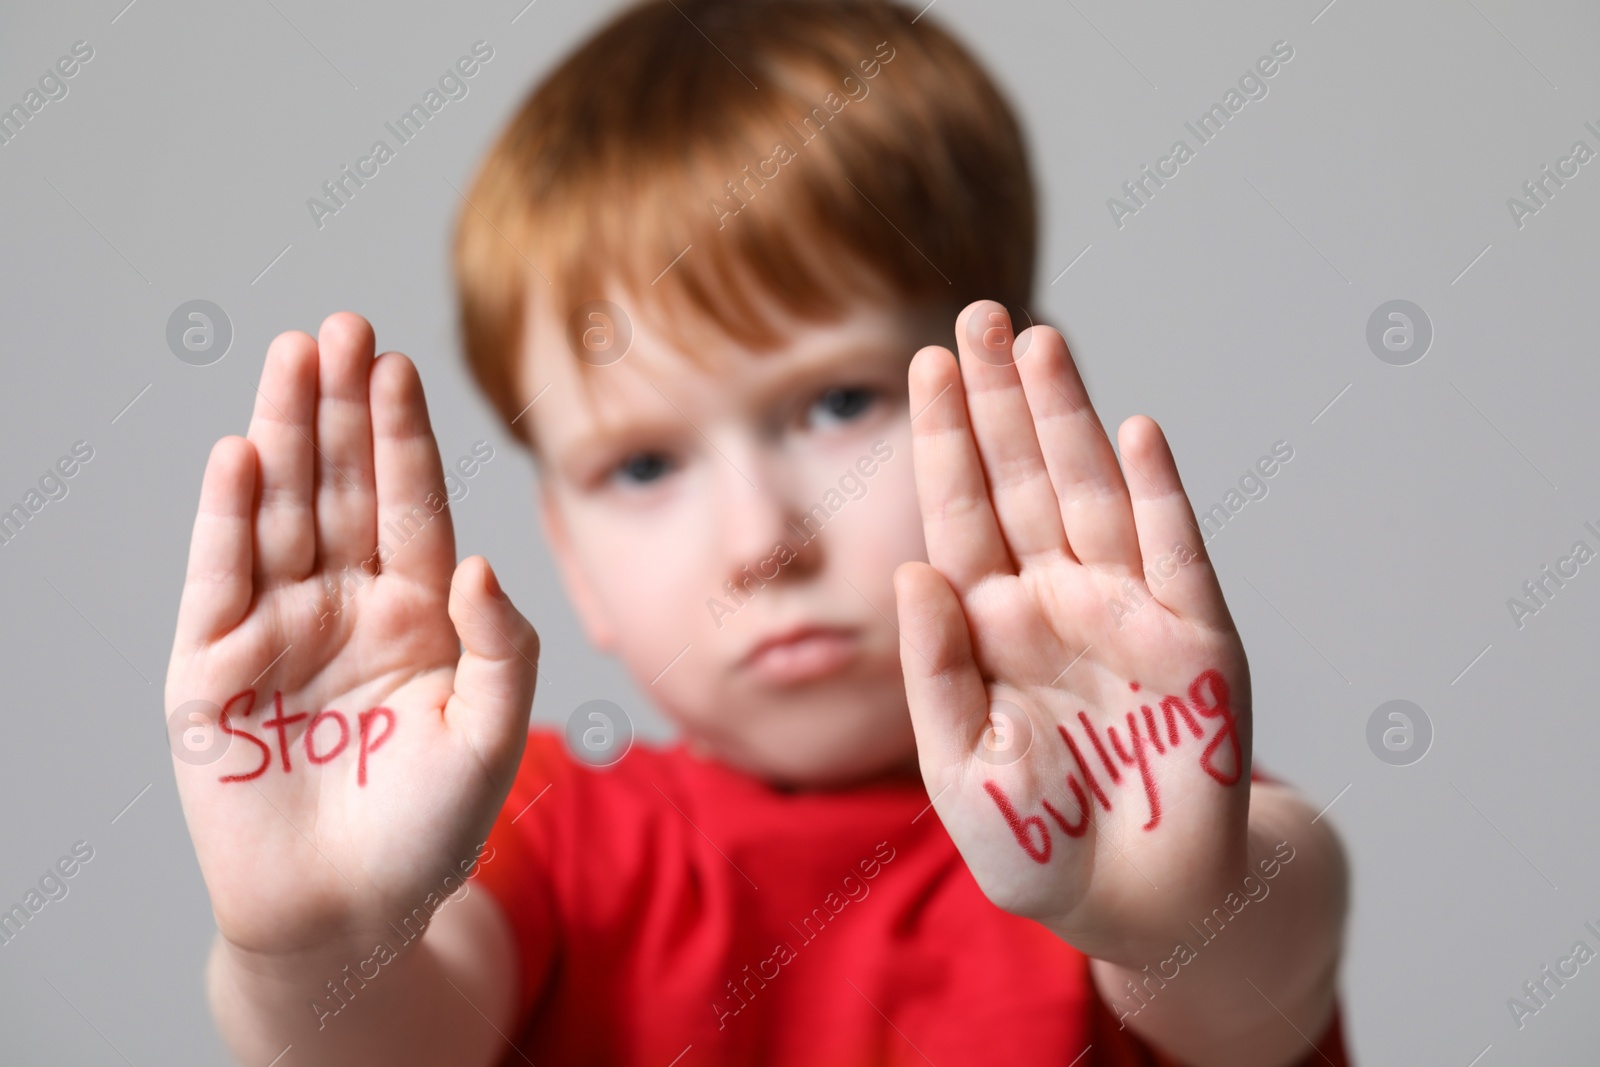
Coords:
pixel 728 166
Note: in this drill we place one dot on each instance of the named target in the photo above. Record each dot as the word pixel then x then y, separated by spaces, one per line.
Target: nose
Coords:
pixel 761 537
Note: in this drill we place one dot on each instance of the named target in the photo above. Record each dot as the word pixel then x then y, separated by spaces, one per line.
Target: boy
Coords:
pixel 965 723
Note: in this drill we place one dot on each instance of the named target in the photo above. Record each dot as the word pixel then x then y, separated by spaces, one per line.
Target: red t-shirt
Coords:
pixel 672 912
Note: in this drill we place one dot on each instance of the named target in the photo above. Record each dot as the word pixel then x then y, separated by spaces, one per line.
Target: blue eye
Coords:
pixel 642 468
pixel 842 404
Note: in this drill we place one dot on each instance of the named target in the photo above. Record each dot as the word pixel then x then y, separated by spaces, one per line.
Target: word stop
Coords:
pixel 326 736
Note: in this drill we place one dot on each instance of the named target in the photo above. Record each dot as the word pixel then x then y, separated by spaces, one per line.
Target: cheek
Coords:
pixel 882 530
pixel 650 572
pixel 892 533
pixel 893 529
pixel 640 574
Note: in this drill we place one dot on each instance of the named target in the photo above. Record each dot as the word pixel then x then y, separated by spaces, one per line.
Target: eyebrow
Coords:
pixel 859 355
pixel 611 436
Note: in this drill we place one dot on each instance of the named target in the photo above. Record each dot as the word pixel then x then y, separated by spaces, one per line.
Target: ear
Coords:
pixel 593 617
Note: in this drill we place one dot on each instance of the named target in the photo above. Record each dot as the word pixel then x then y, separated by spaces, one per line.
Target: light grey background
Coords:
pixel 1233 309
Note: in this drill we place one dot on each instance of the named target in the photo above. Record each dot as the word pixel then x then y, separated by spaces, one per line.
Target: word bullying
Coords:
pixel 1032 833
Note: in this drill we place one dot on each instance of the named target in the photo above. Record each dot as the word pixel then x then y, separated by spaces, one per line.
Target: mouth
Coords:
pixel 802 654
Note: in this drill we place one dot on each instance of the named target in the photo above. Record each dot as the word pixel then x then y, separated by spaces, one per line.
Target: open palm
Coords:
pixel 1079 693
pixel 361 701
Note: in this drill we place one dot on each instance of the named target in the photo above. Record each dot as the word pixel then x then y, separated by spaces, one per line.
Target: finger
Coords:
pixel 1024 500
pixel 347 526
pixel 413 523
pixel 495 678
pixel 963 536
pixel 1177 569
pixel 218 585
pixel 282 430
pixel 1083 468
pixel 949 703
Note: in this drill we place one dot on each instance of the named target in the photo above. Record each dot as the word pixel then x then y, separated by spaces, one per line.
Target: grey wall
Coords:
pixel 1233 307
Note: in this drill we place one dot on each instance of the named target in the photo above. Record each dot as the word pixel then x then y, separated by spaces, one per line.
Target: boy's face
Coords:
pixel 730 530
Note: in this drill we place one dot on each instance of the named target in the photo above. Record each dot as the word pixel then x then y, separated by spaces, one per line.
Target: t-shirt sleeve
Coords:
pixel 1116 1047
pixel 517 868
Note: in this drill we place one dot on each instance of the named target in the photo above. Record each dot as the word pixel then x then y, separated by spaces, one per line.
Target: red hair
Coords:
pixel 805 153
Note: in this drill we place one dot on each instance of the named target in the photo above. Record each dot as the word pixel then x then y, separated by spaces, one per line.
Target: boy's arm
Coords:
pixel 1081 702
pixel 1260 992
pixel 448 998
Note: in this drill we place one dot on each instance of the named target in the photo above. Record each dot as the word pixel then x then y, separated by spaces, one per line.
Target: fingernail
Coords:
pixel 493 583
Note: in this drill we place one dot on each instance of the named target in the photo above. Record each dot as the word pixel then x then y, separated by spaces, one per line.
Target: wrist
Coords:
pixel 298 968
pixel 1143 928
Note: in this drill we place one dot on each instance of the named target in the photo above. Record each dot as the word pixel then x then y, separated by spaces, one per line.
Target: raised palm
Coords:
pixel 1079 693
pixel 373 697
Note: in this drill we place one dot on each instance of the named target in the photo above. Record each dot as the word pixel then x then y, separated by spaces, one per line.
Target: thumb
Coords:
pixel 495 678
pixel 948 700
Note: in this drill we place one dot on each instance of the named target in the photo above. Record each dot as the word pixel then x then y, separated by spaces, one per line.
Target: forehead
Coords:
pixel 578 385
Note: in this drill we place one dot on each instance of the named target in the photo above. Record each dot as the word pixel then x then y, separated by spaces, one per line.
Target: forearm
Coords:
pixel 429 1002
pixel 1257 981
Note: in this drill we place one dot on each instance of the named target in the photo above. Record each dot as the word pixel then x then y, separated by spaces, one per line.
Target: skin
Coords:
pixel 974 564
